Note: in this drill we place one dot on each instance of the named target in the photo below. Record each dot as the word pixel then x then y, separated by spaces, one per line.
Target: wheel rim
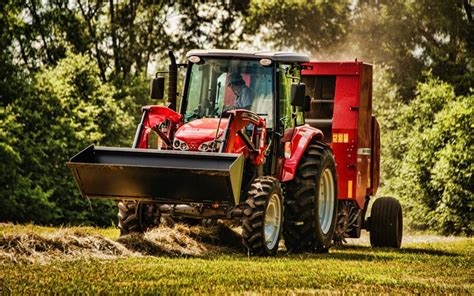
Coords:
pixel 326 200
pixel 272 221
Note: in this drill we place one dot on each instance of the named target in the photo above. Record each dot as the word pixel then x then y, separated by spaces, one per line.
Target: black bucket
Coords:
pixel 168 176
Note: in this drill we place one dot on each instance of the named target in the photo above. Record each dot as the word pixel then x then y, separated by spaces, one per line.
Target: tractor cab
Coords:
pixel 262 89
pixel 219 81
pixel 216 85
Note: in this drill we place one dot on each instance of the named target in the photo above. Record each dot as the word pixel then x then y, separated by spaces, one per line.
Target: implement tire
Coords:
pixel 136 217
pixel 263 215
pixel 386 223
pixel 311 203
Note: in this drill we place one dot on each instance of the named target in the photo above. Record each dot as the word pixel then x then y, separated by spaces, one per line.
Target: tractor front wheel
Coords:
pixel 311 205
pixel 263 217
pixel 137 217
pixel 386 223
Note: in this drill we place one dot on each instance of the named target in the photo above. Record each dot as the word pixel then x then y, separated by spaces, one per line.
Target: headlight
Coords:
pixel 176 144
pixel 210 146
pixel 180 145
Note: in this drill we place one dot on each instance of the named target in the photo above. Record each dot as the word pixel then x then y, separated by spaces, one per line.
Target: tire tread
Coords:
pixel 252 224
pixel 385 222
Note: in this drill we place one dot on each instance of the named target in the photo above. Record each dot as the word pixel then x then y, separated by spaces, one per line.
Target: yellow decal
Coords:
pixel 349 189
pixel 340 138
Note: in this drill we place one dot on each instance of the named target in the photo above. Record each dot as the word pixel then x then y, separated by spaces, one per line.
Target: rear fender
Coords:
pixel 154 116
pixel 300 141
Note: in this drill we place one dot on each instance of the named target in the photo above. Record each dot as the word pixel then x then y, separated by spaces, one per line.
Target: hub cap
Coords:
pixel 272 221
pixel 326 200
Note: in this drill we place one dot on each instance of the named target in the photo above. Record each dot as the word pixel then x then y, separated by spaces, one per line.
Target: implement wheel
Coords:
pixel 311 205
pixel 386 223
pixel 136 217
pixel 263 215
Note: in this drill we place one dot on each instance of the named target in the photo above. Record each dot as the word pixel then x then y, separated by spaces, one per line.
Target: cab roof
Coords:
pixel 277 56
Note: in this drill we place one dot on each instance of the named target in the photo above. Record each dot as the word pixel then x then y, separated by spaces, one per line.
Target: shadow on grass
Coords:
pixel 427 252
pixel 421 251
pixel 363 253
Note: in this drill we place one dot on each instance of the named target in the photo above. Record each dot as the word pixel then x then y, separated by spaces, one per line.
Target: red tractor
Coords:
pixel 268 139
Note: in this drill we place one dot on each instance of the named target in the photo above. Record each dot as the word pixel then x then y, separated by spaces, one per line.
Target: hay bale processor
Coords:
pixel 281 145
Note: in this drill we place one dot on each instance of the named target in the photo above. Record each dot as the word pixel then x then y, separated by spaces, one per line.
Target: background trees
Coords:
pixel 75 72
pixel 429 161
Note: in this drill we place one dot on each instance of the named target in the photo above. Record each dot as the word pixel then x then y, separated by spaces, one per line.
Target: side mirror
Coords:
pixel 307 104
pixel 297 94
pixel 157 88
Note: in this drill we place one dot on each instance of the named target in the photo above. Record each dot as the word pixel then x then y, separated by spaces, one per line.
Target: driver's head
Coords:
pixel 236 81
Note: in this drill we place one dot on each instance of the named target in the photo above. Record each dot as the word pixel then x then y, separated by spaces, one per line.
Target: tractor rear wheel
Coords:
pixel 311 204
pixel 137 217
pixel 386 223
pixel 263 216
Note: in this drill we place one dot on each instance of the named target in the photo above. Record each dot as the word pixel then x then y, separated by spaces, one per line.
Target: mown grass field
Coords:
pixel 437 266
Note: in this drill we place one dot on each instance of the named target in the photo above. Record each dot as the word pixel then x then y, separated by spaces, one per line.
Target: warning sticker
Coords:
pixel 340 138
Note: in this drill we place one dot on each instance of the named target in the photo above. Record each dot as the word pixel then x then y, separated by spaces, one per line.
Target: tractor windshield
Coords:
pixel 219 84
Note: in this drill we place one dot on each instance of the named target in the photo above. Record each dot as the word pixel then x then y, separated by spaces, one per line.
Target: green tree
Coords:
pixel 67 109
pixel 410 37
pixel 305 26
pixel 432 159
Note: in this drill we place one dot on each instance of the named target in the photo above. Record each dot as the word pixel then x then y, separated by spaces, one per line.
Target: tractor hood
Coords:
pixel 193 134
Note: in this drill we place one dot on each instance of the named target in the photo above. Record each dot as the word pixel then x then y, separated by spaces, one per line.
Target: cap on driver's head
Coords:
pixel 236 79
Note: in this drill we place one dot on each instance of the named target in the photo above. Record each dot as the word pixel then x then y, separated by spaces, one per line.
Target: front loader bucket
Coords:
pixel 167 176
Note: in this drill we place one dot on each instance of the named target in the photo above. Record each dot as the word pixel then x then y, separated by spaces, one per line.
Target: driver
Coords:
pixel 243 95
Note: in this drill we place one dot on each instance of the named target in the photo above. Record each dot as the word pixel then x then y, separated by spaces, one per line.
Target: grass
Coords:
pixel 444 266
pixel 7 228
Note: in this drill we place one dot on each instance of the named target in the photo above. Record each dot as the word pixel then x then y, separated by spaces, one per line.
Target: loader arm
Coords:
pixel 238 120
pixel 153 117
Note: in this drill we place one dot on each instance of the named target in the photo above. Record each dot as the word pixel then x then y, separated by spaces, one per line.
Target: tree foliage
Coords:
pixel 432 162
pixel 413 36
pixel 66 109
pixel 302 25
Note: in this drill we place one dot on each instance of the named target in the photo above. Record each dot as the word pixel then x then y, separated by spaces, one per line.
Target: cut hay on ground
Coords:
pixel 64 244
pixel 32 247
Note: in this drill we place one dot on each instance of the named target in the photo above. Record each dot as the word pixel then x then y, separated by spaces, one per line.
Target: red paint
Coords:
pixel 332 68
pixel 158 114
pixel 155 116
pixel 300 141
pixel 352 116
pixel 199 131
pixel 241 118
pixel 202 130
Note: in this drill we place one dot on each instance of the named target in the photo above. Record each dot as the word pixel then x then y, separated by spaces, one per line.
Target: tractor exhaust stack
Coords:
pixel 173 81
